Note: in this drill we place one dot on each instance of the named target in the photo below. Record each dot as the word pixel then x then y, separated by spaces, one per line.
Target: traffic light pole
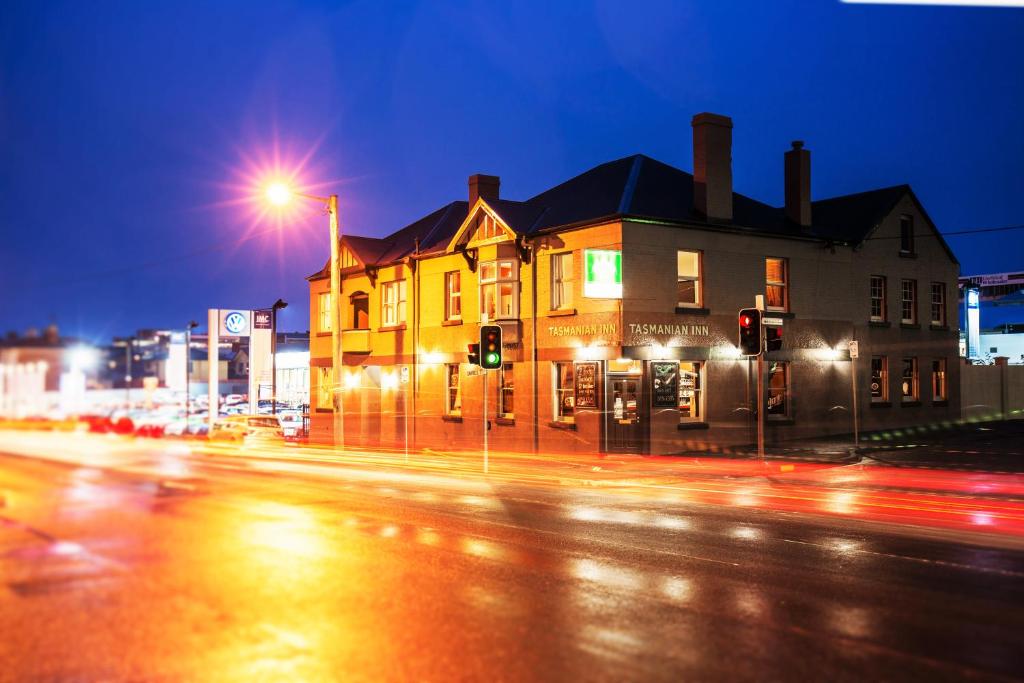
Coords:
pixel 760 406
pixel 485 421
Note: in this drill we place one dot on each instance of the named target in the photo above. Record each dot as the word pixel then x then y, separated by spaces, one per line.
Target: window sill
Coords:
pixel 687 310
pixel 558 312
pixel 451 323
pixel 910 404
pixel 685 426
pixel 780 422
pixel 910 326
pixel 908 254
pixel 879 323
pixel 452 418
pixel 881 404
pixel 571 426
pixel 939 328
pixel 505 421
pixel 391 328
pixel 940 404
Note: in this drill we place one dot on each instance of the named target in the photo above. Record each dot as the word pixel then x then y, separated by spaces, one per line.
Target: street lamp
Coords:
pixel 280 194
pixel 278 305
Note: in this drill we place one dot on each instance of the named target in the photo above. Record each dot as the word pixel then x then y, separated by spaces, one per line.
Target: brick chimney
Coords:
pixel 712 166
pixel 798 184
pixel 483 186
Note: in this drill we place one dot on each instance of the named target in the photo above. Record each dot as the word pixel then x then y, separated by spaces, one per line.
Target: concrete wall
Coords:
pixel 992 391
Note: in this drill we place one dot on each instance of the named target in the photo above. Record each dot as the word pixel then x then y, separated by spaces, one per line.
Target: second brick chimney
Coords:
pixel 483 186
pixel 712 166
pixel 798 184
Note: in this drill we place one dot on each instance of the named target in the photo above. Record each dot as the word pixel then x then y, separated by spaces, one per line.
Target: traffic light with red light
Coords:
pixel 750 332
pixel 772 337
pixel 490 347
pixel 474 354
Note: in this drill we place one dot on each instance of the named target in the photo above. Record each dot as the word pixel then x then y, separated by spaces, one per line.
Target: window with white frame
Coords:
pixel 939 379
pixel 506 392
pixel 561 281
pixel 691 391
pixel 879 379
pixel 776 284
pixel 324 388
pixel 938 304
pixel 877 298
pixel 499 290
pixel 688 279
pixel 324 311
pixel 910 385
pixel 564 392
pixel 908 302
pixel 392 303
pixel 453 295
pixel 486 227
pixel 453 390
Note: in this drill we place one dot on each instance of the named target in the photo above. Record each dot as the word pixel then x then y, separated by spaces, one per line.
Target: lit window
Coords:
pixel 324 307
pixel 564 392
pixel 939 379
pixel 392 303
pixel 776 284
pixel 879 379
pixel 324 386
pixel 691 392
pixel 877 298
pixel 908 302
pixel 910 380
pixel 688 279
pixel 906 234
pixel 561 281
pixel 499 290
pixel 453 390
pixel 453 295
pixel 778 390
pixel 938 304
pixel 506 392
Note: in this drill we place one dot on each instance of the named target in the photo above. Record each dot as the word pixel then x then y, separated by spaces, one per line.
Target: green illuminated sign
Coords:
pixel 602 273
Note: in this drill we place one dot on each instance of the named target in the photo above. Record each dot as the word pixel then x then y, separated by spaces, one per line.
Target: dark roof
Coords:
pixel 637 187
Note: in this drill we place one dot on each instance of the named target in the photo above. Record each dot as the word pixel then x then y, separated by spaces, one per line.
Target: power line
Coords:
pixel 952 233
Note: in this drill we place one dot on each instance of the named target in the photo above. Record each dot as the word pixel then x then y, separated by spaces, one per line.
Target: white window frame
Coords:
pixel 940 305
pixel 392 303
pixel 881 298
pixel 453 295
pixel 915 380
pixel 558 393
pixel 562 282
pixel 699 390
pixel 912 301
pixel 496 281
pixel 698 279
pixel 784 283
pixel 324 311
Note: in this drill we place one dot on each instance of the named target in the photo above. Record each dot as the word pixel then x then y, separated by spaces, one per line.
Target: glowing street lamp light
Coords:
pixel 280 194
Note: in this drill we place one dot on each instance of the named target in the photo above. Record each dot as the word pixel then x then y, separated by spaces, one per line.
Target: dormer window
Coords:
pixel 487 228
pixel 499 290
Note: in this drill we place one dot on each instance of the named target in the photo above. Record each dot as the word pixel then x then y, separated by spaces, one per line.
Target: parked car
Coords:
pixel 247 429
pixel 291 424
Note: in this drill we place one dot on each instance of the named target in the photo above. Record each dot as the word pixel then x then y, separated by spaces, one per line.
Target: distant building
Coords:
pixel 997 322
pixel 617 292
pixel 35 367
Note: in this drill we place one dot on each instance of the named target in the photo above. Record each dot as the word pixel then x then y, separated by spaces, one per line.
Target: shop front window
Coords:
pixel 506 392
pixel 453 390
pixel 879 379
pixel 324 386
pixel 564 392
pixel 910 380
pixel 691 392
pixel 778 390
pixel 939 380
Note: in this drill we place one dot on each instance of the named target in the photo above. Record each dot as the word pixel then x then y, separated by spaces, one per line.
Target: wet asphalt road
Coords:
pixel 169 567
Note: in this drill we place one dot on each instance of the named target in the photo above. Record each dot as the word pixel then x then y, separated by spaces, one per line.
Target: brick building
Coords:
pixel 617 292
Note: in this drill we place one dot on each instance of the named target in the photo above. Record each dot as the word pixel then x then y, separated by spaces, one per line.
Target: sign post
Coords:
pixel 485 421
pixel 854 354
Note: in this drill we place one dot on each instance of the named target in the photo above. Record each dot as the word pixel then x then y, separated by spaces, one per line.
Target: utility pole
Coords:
pixel 854 354
pixel 188 368
pixel 279 304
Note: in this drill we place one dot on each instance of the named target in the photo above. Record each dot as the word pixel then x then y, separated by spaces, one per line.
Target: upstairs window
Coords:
pixel 878 303
pixel 453 295
pixel 486 227
pixel 908 302
pixel 360 311
pixel 776 284
pixel 561 281
pixel 906 234
pixel 392 303
pixel 499 290
pixel 938 304
pixel 324 311
pixel 688 279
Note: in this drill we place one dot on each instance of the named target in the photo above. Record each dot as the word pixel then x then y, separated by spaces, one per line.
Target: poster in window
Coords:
pixel 665 383
pixel 586 385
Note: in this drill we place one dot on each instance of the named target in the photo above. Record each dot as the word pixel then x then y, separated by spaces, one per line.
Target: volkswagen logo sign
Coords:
pixel 235 322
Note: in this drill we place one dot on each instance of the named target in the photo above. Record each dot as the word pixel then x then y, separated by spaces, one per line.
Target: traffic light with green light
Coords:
pixel 490 347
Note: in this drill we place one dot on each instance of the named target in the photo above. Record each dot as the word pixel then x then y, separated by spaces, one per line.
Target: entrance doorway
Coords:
pixel 624 415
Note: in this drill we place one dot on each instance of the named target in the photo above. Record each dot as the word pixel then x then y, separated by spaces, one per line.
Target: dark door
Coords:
pixel 625 414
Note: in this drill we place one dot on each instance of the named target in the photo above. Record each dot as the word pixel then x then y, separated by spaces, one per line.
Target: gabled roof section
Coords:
pixel 514 219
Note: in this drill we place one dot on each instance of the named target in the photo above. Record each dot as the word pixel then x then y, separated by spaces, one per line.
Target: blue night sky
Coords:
pixel 129 131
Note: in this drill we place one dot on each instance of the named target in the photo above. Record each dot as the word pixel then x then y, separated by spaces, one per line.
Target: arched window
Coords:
pixel 360 310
